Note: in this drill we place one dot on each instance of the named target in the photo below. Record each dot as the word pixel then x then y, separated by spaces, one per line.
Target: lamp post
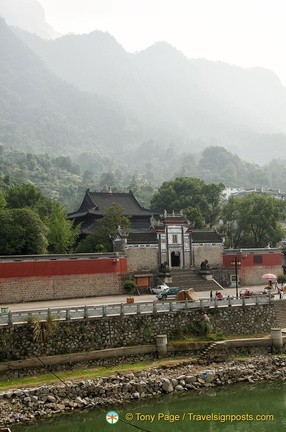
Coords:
pixel 236 262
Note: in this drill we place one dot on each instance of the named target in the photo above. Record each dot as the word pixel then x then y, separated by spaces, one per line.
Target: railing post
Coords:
pixel 201 303
pixel 215 302
pixel 85 313
pixel 138 309
pixel 154 306
pixel 171 306
pixel 121 309
pixel 186 304
pixel 104 312
pixel 10 320
pixel 257 301
pixel 68 316
pixel 229 302
pixel 243 301
pixel 49 313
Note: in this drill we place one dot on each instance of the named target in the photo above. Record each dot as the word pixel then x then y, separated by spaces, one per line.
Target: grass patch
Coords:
pixel 83 374
pixel 207 338
pixel 251 336
pixel 218 336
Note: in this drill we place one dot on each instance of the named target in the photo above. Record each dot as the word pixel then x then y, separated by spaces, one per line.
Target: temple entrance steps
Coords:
pixel 280 311
pixel 186 278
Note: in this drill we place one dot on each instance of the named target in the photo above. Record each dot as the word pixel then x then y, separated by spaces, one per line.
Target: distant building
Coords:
pixel 239 192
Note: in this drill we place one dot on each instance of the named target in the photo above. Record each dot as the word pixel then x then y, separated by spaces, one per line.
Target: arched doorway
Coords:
pixel 175 259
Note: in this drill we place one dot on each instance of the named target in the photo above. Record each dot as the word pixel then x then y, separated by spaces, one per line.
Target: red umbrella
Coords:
pixel 269 276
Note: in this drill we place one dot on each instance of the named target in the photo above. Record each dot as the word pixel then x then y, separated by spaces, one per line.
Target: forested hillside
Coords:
pixel 66 180
pixel 130 132
pixel 180 100
pixel 41 113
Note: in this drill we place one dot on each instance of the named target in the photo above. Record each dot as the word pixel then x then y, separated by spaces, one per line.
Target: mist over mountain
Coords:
pixel 28 15
pixel 41 113
pixel 85 93
pixel 186 100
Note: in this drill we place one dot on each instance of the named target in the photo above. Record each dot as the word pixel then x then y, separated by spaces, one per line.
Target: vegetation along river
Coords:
pixel 240 407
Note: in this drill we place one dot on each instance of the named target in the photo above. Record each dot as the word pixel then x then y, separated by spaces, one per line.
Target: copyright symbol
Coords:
pixel 129 416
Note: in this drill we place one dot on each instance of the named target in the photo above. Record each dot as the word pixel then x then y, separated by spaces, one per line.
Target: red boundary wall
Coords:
pixel 247 260
pixel 249 271
pixel 66 267
pixel 50 278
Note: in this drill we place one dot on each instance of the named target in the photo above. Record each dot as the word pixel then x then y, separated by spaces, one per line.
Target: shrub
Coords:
pixel 129 286
pixel 281 278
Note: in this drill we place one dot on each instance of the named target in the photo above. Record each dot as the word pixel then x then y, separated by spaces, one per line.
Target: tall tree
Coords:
pixel 113 218
pixel 253 221
pixel 27 195
pixel 100 240
pixel 22 232
pixel 193 196
pixel 62 234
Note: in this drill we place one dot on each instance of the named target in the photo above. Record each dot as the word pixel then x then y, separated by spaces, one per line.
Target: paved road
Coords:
pixel 104 300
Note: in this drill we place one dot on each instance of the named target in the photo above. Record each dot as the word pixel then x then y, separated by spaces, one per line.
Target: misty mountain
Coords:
pixel 41 113
pixel 28 15
pixel 186 100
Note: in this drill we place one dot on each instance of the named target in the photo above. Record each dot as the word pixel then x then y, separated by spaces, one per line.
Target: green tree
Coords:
pixel 2 200
pixel 107 180
pixel 62 234
pixel 211 202
pixel 27 195
pixel 100 241
pixel 191 195
pixel 22 232
pixel 195 217
pixel 253 221
pixel 113 218
pixel 95 243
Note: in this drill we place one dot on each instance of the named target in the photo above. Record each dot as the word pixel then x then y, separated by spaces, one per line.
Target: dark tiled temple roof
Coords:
pixel 142 237
pixel 96 203
pixel 206 236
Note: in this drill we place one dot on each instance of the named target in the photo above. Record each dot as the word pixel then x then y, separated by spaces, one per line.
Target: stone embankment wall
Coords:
pixel 64 337
pixel 34 403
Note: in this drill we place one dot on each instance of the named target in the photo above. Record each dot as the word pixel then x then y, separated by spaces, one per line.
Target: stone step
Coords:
pixel 204 355
pixel 186 279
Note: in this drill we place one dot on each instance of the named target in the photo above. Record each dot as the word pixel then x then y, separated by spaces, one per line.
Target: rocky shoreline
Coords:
pixel 28 404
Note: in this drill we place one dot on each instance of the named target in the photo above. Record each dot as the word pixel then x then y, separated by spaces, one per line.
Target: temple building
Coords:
pixel 170 241
pixel 154 238
pixel 94 205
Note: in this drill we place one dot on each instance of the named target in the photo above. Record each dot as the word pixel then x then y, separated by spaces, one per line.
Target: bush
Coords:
pixel 129 286
pixel 201 328
pixel 281 278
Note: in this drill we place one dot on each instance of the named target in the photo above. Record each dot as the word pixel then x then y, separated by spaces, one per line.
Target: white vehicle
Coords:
pixel 159 288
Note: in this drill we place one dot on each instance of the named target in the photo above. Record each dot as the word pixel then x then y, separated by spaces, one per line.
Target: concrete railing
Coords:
pixel 120 309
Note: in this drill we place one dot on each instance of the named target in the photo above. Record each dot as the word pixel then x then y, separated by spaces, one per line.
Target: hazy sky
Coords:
pixel 242 32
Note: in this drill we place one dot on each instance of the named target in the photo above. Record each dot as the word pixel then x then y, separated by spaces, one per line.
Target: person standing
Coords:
pixel 211 295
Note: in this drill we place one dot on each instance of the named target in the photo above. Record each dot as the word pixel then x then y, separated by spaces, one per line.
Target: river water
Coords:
pixel 237 408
